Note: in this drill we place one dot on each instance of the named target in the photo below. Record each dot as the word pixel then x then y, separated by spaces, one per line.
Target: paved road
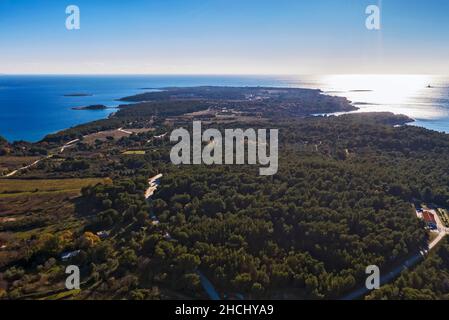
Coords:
pixel 443 231
pixel 387 278
pixel 410 262
pixel 208 287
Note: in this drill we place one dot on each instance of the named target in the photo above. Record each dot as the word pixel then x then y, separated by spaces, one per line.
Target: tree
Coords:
pixel 88 240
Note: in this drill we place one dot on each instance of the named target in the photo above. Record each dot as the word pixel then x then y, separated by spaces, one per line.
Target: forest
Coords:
pixel 341 200
pixel 429 281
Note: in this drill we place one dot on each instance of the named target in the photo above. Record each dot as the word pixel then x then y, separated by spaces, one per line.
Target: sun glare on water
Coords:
pixel 404 94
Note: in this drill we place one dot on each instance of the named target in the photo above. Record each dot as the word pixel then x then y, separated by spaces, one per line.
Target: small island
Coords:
pixel 92 107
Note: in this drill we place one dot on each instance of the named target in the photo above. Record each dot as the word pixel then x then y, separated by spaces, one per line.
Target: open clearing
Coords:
pixel 8 163
pixel 21 186
pixel 134 152
pixel 116 134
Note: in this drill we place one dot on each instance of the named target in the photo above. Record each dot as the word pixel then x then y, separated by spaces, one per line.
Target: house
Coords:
pixel 155 222
pixel 68 255
pixel 429 219
pixel 167 236
pixel 160 136
pixel 103 234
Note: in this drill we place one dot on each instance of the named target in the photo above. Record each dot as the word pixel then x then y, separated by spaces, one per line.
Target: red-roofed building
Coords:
pixel 429 218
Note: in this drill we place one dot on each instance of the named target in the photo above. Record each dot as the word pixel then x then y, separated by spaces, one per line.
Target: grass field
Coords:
pixel 116 134
pixel 134 152
pixel 21 186
pixel 31 208
pixel 8 163
pixel 63 295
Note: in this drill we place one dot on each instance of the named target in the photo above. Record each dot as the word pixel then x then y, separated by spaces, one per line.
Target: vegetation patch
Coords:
pixel 134 152
pixel 15 186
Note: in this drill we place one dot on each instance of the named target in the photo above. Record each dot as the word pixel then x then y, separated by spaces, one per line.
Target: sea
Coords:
pixel 32 106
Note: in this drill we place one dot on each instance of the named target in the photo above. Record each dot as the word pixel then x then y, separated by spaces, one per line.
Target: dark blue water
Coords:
pixel 34 106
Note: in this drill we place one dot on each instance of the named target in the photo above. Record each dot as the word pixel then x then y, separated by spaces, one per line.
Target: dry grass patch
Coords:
pixel 8 163
pixel 20 186
pixel 116 134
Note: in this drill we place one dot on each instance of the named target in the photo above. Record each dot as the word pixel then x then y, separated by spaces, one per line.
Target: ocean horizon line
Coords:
pixel 227 74
pixel 26 96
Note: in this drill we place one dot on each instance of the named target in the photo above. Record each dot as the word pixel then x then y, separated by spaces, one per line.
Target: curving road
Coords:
pixel 410 262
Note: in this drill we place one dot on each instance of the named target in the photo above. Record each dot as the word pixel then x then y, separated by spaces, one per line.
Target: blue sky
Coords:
pixel 224 37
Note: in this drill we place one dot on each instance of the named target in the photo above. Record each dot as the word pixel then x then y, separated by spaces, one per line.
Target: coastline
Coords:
pixel 125 100
pixel 138 99
pixel 352 133
pixel 130 100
